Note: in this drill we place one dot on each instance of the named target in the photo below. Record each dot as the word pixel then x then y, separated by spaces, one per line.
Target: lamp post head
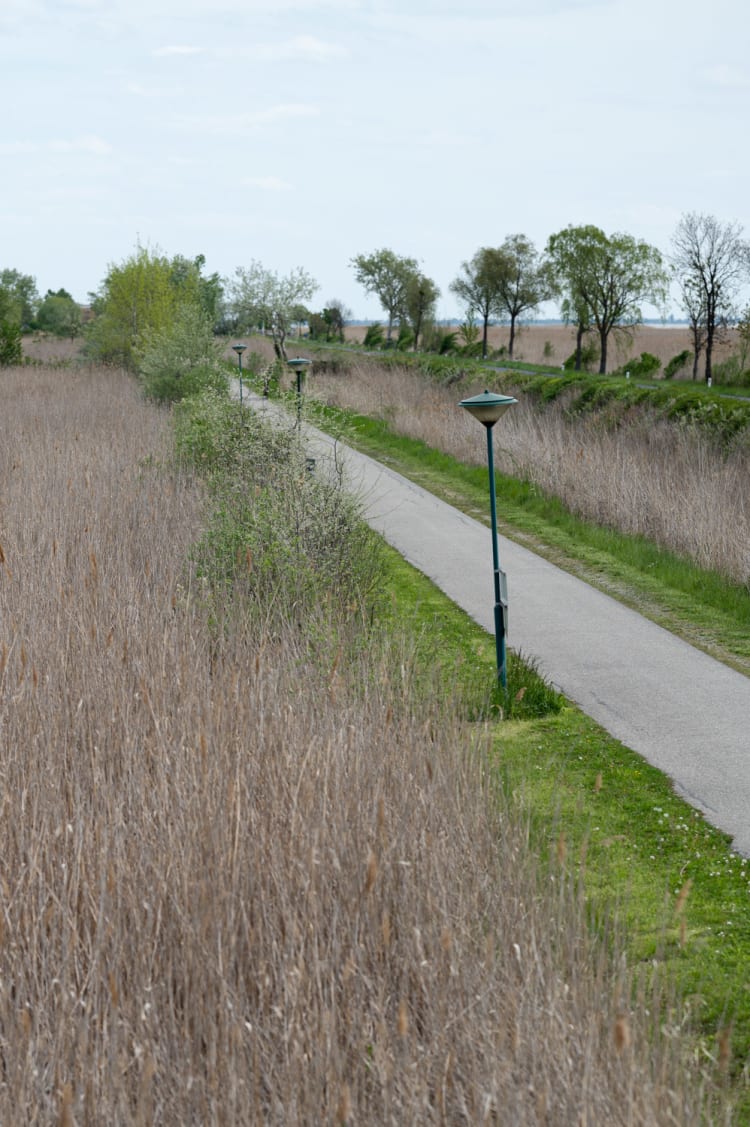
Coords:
pixel 298 363
pixel 488 407
pixel 239 349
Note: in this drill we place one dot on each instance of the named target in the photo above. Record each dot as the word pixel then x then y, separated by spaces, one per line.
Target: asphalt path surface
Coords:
pixel 683 711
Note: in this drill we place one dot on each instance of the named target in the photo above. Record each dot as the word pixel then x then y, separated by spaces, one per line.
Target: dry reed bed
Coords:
pixel 670 484
pixel 236 890
pixel 538 343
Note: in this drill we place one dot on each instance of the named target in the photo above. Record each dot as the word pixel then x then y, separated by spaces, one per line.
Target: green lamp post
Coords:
pixel 298 365
pixel 239 349
pixel 487 409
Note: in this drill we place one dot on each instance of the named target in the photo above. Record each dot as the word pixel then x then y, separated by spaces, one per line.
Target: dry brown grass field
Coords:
pixel 664 342
pixel 670 484
pixel 235 888
pixel 46 349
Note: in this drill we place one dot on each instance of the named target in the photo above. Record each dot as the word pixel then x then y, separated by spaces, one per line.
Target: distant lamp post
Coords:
pixel 487 409
pixel 298 366
pixel 239 349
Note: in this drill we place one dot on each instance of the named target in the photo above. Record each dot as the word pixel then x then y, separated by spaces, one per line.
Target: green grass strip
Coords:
pixel 700 606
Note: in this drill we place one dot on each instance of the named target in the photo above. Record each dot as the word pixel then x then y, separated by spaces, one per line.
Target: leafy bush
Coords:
pixel 447 343
pixel 374 337
pixel 677 363
pixel 11 351
pixel 182 359
pixel 289 543
pixel 643 367
pixel 59 314
pixel 589 358
pixel 405 339
pixel 730 371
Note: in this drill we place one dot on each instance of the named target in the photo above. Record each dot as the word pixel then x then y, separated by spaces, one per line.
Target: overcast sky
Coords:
pixel 304 132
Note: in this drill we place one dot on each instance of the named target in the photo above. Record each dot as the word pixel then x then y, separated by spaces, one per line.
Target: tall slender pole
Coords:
pixel 499 616
pixel 487 409
pixel 239 349
pixel 297 364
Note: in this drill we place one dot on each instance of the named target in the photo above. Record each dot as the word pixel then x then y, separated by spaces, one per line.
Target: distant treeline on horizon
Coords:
pixel 654 322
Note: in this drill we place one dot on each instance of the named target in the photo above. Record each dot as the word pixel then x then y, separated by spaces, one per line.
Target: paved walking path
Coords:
pixel 680 709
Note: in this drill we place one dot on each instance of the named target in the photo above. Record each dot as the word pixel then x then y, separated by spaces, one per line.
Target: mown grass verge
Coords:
pixel 602 813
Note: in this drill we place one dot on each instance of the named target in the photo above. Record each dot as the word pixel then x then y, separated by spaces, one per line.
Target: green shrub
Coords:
pixel 203 437
pixel 59 314
pixel 374 337
pixel 447 343
pixel 405 339
pixel 182 359
pixel 643 367
pixel 289 543
pixel 589 358
pixel 730 371
pixel 677 363
pixel 11 351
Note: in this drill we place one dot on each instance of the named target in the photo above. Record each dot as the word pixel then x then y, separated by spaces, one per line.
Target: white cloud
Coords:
pixel 94 145
pixel 299 48
pixel 177 49
pixel 245 122
pixel 267 183
pixel 143 91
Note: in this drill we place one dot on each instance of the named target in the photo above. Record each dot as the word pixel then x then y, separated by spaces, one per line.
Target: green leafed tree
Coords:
pixel 59 314
pixel 138 297
pixel 335 316
pixel 419 304
pixel 206 290
pixel 568 254
pixel 603 279
pixel 22 297
pixel 711 261
pixel 522 282
pixel 387 276
pixel 11 351
pixel 262 299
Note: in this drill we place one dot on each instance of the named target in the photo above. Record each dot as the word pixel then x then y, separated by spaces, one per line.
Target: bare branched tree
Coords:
pixel 711 261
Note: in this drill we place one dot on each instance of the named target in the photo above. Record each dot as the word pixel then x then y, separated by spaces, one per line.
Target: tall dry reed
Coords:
pixel 233 888
pixel 668 483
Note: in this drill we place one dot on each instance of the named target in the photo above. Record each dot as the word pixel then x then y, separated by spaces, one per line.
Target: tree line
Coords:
pixel 600 282
pixel 22 311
